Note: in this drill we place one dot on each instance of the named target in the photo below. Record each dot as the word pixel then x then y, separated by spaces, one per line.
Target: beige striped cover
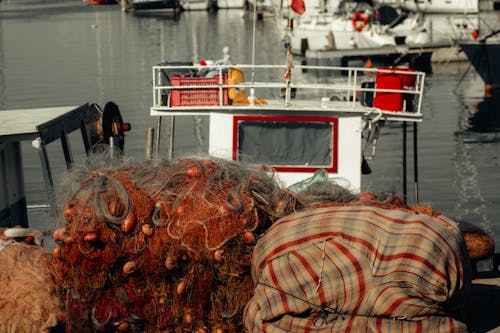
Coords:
pixel 358 269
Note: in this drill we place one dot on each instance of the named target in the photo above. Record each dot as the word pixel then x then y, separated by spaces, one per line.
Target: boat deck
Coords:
pixel 300 107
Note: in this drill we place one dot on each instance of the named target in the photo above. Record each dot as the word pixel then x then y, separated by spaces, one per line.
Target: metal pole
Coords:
pixel 415 161
pixel 149 143
pixel 405 190
pixel 171 144
pixel 158 134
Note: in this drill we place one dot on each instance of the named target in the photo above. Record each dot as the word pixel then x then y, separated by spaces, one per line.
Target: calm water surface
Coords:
pixel 55 53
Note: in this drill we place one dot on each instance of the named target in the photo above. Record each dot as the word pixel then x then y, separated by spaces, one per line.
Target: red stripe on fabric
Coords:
pixel 360 285
pixel 309 324
pixel 341 275
pixel 380 294
pixel 419 327
pixel 378 226
pixel 354 240
pixel 416 274
pixel 378 324
pixel 297 279
pixel 282 295
pixel 312 274
pixel 374 210
pixel 395 304
pixel 398 221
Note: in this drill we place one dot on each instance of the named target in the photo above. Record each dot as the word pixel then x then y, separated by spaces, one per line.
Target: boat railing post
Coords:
pixel 420 93
pixel 156 91
pixel 221 82
pixel 353 87
pixel 349 77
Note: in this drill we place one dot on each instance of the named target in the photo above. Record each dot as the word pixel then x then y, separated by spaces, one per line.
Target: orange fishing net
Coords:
pixel 164 247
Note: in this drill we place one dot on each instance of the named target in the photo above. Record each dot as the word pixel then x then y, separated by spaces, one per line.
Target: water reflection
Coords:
pixel 479 127
pixel 486 116
pixel 480 120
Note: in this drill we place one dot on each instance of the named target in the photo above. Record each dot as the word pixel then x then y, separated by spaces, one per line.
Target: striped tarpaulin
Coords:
pixel 358 269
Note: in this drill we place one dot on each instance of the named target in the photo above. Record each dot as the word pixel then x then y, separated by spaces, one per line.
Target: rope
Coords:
pixel 324 311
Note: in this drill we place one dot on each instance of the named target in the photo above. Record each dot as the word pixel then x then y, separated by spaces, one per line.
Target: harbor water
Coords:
pixel 63 52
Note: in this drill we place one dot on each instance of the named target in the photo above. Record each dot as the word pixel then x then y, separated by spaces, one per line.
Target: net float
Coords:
pixel 249 237
pixel 219 255
pixel 193 171
pixel 181 287
pixel 58 234
pixel 170 263
pixel 90 237
pixel 147 229
pixel 129 267
pixel 56 253
pixel 129 223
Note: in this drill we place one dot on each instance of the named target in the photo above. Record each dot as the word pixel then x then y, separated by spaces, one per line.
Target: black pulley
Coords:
pixel 110 125
pixel 113 125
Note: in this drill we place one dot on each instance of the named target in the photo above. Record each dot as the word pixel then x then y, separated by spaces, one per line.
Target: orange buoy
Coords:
pixel 488 90
pixel 475 33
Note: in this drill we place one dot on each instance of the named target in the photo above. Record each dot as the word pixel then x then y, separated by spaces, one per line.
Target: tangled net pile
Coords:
pixel 164 246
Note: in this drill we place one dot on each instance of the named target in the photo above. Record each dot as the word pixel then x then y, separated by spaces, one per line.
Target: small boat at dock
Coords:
pixel 314 125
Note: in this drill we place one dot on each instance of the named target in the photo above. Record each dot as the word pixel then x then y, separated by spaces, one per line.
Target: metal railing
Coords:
pixel 311 83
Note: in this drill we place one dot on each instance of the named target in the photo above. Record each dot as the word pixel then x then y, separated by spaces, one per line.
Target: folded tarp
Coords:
pixel 359 269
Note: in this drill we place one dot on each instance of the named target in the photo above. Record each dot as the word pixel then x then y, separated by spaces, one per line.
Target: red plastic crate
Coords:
pixel 194 97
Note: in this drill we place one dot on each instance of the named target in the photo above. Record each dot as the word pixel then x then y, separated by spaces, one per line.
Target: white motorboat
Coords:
pixel 361 29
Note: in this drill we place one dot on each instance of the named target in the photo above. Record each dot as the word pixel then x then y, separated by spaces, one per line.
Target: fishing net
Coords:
pixel 29 298
pixel 153 246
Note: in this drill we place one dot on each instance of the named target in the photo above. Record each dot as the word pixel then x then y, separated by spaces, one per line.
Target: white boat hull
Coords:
pixel 443 6
pixel 326 32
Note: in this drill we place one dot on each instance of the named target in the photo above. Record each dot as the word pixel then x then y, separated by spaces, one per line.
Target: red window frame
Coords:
pixel 333 120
